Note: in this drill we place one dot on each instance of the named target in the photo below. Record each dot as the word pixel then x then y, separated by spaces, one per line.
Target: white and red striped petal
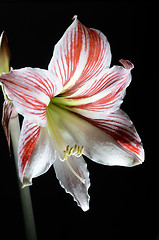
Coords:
pixel 36 152
pixel 120 127
pixel 107 79
pixel 31 90
pixel 28 139
pixel 101 94
pixel 79 54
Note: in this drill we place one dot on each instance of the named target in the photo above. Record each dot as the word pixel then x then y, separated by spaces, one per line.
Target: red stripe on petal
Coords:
pixel 100 95
pixel 96 55
pixel 31 91
pixel 114 77
pixel 120 127
pixel 67 53
pixel 28 139
pixel 79 54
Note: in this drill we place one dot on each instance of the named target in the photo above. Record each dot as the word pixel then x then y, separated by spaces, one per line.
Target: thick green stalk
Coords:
pixel 25 192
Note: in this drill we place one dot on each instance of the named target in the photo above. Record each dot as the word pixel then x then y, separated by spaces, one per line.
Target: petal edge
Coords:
pixel 72 184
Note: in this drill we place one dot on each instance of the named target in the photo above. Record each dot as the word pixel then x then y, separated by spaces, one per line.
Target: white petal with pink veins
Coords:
pixel 80 53
pixel 36 152
pixel 31 90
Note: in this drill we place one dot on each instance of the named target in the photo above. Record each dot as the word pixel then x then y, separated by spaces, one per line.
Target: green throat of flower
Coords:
pixel 58 135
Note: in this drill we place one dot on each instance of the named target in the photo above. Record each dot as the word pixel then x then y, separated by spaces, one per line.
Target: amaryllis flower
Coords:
pixel 72 109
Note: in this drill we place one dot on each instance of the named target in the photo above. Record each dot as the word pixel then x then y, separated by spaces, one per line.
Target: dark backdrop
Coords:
pixel 124 201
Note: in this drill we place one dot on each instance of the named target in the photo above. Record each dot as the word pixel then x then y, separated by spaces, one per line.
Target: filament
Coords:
pixel 76 151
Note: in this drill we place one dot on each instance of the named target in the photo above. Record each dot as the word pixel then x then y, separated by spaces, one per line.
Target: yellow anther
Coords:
pixel 75 148
pixel 76 151
pixel 67 148
pixel 81 150
pixel 70 151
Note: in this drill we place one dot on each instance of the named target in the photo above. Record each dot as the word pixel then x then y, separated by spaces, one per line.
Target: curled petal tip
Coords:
pixel 74 17
pixel 127 64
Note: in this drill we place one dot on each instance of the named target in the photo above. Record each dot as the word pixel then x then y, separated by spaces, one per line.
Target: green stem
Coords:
pixel 25 192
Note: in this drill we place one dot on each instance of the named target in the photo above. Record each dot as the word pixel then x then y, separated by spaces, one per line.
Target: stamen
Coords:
pixel 76 151
pixel 81 150
pixel 70 151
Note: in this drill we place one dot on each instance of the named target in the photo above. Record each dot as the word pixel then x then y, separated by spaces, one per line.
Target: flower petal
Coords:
pixel 121 128
pixel 79 54
pixel 101 94
pixel 71 183
pixel 120 145
pixel 31 90
pixel 36 153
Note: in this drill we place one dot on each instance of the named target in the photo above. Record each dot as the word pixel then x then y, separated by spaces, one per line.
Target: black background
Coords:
pixel 124 201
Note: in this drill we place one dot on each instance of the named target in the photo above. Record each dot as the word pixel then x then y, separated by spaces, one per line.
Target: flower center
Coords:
pixel 57 132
